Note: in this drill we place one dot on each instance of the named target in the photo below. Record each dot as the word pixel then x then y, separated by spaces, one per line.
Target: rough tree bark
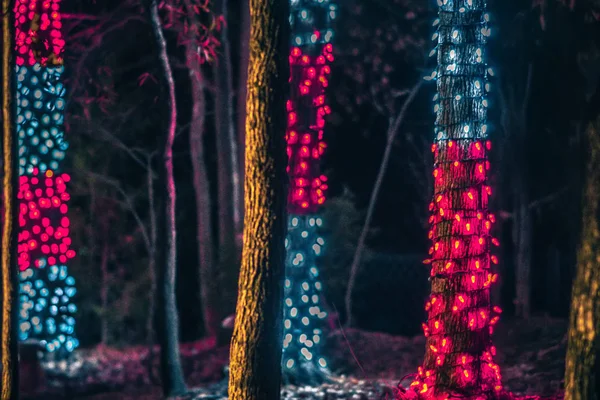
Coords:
pixel 9 352
pixel 393 127
pixel 206 259
pixel 167 327
pixel 255 359
pixel 582 371
pixel 227 159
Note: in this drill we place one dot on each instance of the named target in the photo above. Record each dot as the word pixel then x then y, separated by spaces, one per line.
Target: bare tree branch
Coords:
pixel 391 135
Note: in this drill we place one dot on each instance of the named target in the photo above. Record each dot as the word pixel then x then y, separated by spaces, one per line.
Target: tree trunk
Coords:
pixel 167 319
pixel 255 359
pixel 227 167
pixel 582 371
pixel 459 351
pixel 206 259
pixel 241 99
pixel 522 243
pixel 9 351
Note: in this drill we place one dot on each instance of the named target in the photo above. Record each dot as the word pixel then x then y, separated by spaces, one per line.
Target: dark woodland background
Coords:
pixel 546 55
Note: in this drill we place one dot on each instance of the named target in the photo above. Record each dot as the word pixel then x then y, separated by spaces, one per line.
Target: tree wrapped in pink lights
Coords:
pixel 44 245
pixel 310 59
pixel 459 358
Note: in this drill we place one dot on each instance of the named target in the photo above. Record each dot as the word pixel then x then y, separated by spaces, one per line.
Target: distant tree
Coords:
pixel 167 325
pixel 228 172
pixel 255 359
pixel 9 354
pixel 582 372
pixel 193 38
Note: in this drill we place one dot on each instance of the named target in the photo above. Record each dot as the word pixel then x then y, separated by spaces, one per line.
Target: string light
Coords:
pixel 44 245
pixel 40 113
pixel 310 66
pixel 459 352
pixel 43 221
pixel 38 32
pixel 47 310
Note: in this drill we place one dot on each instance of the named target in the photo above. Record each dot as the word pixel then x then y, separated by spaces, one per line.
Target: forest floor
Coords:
pixel 368 365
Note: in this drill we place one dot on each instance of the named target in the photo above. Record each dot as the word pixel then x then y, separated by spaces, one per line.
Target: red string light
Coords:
pixel 43 222
pixel 305 146
pixel 38 32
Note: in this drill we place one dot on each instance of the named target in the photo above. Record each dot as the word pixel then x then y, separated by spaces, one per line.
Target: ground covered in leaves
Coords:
pixel 367 366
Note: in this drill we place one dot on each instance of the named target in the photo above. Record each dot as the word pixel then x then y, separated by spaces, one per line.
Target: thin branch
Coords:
pixel 391 134
pixel 128 203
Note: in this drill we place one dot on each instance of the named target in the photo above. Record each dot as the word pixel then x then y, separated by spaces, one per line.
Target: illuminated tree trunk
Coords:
pixel 9 352
pixel 206 259
pixel 310 66
pixel 582 373
pixel 459 352
pixel 167 327
pixel 255 358
pixel 228 169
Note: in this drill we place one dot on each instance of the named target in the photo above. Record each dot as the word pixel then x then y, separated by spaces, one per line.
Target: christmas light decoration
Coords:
pixel 44 245
pixel 40 108
pixel 43 221
pixel 310 59
pixel 46 307
pixel 459 351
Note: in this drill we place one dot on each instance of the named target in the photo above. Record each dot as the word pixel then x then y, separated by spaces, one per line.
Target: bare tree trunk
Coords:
pixel 255 355
pixel 522 242
pixel 168 322
pixel 222 8
pixel 206 259
pixel 241 100
pixel 104 291
pixel 226 174
pixel 9 351
pixel 151 249
pixel 391 136
pixel 151 268
pixel 514 121
pixel 582 371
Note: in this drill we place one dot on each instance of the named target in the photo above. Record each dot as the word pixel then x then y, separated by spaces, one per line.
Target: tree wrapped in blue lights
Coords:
pixel 310 59
pixel 44 246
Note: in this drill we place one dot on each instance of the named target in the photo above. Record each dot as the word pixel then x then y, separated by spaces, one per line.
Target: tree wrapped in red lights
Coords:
pixel 310 59
pixel 459 352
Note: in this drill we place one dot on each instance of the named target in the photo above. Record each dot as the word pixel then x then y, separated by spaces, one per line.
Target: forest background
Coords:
pixel 546 54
